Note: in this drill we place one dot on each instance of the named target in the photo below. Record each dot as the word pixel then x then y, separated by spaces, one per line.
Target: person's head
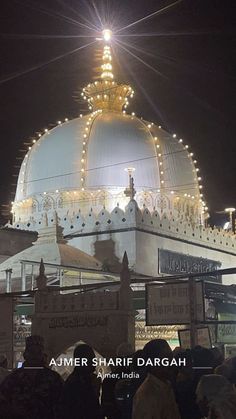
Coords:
pixel 34 351
pixel 202 357
pixel 135 364
pixel 124 350
pixel 224 370
pixel 86 353
pixel 216 394
pixel 218 356
pixel 3 361
pixel 157 349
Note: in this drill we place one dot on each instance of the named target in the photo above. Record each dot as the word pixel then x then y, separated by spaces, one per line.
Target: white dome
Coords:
pixel 114 141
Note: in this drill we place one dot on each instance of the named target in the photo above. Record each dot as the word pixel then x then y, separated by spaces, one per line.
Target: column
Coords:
pixel 23 277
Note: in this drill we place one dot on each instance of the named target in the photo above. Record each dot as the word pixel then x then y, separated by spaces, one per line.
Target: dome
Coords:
pixel 103 159
pixel 58 161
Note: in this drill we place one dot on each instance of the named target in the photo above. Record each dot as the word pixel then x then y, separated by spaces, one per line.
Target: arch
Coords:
pixel 35 206
pixel 48 204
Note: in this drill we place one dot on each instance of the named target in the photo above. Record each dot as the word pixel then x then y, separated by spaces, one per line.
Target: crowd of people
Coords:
pixel 202 388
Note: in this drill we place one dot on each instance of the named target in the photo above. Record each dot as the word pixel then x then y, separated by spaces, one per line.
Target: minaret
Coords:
pixel 105 93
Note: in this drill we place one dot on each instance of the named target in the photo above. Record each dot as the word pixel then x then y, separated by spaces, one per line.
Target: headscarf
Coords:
pixel 220 395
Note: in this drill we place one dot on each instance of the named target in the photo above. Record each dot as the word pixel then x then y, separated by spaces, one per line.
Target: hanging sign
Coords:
pixel 169 303
pixel 202 335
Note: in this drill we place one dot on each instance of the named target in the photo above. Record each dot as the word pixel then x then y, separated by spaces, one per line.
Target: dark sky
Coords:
pixel 194 96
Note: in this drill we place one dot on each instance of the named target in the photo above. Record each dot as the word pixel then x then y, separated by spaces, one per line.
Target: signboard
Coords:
pixel 203 338
pixel 169 303
pixel 6 328
pixel 226 333
pixel 173 263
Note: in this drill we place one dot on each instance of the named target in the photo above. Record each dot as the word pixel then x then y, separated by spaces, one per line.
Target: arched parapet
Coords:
pixel 117 213
pixel 146 218
pixel 90 220
pixel 104 219
pixel 165 223
pixel 156 219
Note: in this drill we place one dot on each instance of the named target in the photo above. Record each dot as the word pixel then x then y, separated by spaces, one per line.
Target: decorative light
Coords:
pixel 81 116
pixel 46 130
pixel 34 141
pixel 66 119
pixel 59 122
pixel 107 34
pixel 174 135
pixel 159 127
pixel 57 191
pixel 180 140
pixel 172 192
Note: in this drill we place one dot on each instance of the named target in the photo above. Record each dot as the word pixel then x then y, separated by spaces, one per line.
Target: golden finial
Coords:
pixel 106 93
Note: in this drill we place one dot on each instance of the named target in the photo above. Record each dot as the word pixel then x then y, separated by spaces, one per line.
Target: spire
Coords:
pixel 107 64
pixel 130 191
pixel 105 93
pixel 41 279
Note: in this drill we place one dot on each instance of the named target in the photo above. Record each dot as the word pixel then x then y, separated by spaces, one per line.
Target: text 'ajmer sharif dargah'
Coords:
pixel 108 182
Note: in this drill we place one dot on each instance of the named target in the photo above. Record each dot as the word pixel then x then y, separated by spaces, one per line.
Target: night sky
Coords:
pixel 194 96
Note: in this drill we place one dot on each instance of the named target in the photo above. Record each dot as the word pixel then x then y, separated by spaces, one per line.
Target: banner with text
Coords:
pixel 170 303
